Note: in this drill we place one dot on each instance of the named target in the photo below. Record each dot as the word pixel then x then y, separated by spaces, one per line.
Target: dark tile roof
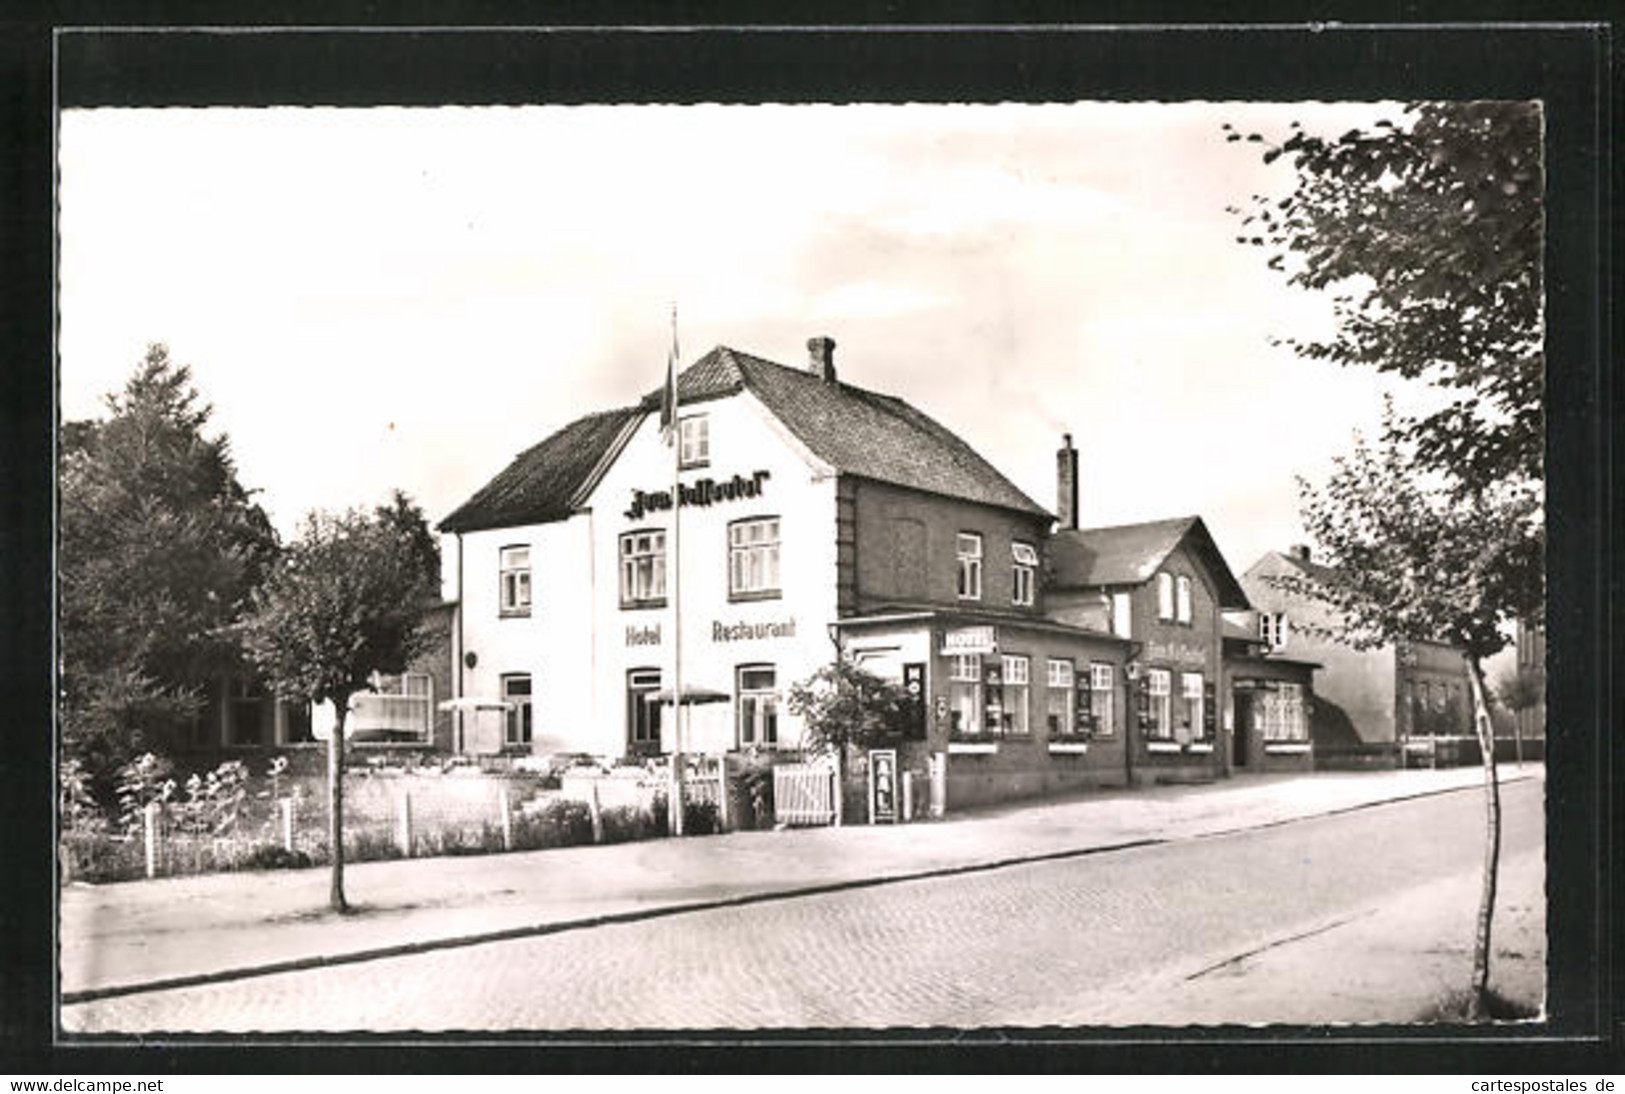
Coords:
pixel 1130 554
pixel 855 431
pixel 541 483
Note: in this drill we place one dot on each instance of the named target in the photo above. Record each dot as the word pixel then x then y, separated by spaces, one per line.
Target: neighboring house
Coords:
pixel 1370 704
pixel 1529 646
pixel 1164 585
pixel 813 512
pixel 1271 698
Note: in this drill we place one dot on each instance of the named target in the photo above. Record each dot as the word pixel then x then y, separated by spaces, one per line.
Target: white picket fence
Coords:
pixel 803 794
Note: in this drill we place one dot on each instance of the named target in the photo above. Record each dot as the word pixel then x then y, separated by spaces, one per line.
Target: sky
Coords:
pixel 390 297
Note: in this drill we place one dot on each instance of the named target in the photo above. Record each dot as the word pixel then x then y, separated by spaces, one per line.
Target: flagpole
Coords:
pixel 674 579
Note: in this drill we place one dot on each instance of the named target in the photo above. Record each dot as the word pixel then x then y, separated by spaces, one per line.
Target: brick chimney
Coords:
pixel 1066 483
pixel 821 358
pixel 1299 551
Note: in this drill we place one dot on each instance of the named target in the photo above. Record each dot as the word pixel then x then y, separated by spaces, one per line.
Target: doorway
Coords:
pixel 1242 737
pixel 642 712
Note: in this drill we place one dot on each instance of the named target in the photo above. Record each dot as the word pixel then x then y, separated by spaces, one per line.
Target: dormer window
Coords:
pixel 694 441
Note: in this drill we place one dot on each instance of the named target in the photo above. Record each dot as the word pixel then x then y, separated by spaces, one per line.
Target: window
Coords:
pixel 643 568
pixel 969 546
pixel 1165 596
pixel 1102 709
pixel 1158 687
pixel 965 695
pixel 515 567
pixel 694 441
pixel 244 719
pixel 1191 712
pixel 1122 614
pixel 1182 604
pixel 400 710
pixel 1284 715
pixel 1272 630
pixel 753 558
pixel 1058 699
pixel 516 690
pixel 1025 567
pixel 1012 700
pixel 758 706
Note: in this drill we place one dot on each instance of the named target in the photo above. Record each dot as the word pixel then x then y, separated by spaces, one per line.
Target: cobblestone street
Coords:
pixel 1030 944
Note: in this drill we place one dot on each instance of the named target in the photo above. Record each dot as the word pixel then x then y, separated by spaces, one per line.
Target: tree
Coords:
pixel 1428 234
pixel 160 547
pixel 1407 562
pixel 1519 689
pixel 345 601
pixel 842 706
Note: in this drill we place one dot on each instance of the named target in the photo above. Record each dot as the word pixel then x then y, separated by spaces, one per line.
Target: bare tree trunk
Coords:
pixel 1478 1002
pixel 335 806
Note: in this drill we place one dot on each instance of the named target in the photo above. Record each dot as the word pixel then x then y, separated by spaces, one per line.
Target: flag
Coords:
pixel 668 397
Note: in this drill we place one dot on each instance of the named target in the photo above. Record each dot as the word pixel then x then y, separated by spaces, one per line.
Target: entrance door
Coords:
pixel 1242 737
pixel 642 712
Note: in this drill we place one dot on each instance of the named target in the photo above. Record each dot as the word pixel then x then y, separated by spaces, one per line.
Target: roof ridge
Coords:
pixel 1191 519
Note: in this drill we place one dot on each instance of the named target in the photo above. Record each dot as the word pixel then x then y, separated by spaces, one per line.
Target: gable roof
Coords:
pixel 1131 554
pixel 855 431
pixel 542 482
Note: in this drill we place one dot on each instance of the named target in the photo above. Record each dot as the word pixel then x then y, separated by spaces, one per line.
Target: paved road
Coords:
pixel 1024 944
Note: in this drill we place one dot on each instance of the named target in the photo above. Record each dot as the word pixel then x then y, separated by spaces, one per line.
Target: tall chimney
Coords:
pixel 1066 483
pixel 821 358
pixel 1299 551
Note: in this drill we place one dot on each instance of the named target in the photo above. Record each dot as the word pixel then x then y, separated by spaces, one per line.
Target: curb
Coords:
pixel 538 930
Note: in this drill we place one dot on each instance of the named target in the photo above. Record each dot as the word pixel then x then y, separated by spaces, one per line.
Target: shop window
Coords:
pixel 694 441
pixel 1058 698
pixel 514 566
pixel 1283 714
pixel 1159 688
pixel 1101 708
pixel 965 695
pixel 970 566
pixel 1165 596
pixel 1122 615
pixel 753 558
pixel 758 706
pixel 517 730
pixel 1014 690
pixel 643 569
pixel 1182 598
pixel 1024 569
pixel 1190 716
pixel 399 710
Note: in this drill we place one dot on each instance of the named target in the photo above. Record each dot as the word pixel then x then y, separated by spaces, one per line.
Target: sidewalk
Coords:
pixel 133 933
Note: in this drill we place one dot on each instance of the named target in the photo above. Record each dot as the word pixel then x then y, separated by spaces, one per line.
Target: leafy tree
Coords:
pixel 1519 689
pixel 1407 562
pixel 345 601
pixel 160 546
pixel 1428 233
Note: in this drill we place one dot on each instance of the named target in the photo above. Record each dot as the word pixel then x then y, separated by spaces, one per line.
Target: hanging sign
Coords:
pixel 883 786
pixel 1083 715
pixel 914 683
pixel 971 640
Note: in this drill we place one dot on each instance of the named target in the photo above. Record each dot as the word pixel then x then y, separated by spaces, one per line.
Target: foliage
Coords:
pixel 273 856
pixel 78 810
pixel 1406 562
pixel 160 546
pixel 214 801
pixel 1428 233
pixel 141 782
pixel 344 601
pixel 1522 687
pixel 843 706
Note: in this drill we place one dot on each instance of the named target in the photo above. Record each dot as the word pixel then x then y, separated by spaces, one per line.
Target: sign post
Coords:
pixel 883 786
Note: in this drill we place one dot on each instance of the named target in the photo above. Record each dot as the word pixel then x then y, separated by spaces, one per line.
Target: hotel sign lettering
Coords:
pixel 1179 653
pixel 971 640
pixel 700 492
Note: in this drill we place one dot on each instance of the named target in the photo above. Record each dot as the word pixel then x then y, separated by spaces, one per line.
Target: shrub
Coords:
pixel 559 823
pixel 273 856
pixel 141 782
pixel 625 823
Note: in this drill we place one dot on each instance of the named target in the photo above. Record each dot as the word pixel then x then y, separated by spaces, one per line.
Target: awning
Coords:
pixel 470 702
pixel 693 695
